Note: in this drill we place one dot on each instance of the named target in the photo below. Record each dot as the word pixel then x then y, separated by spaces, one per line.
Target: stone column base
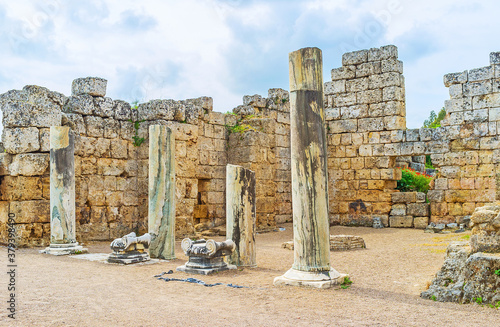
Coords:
pixel 64 249
pixel 325 279
pixel 128 258
pixel 204 271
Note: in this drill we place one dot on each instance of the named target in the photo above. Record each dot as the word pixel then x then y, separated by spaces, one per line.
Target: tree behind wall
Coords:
pixel 434 120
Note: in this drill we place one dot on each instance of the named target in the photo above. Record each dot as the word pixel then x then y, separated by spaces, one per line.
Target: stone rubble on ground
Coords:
pixel 471 270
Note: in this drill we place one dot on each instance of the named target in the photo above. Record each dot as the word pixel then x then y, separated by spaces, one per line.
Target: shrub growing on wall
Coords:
pixel 412 181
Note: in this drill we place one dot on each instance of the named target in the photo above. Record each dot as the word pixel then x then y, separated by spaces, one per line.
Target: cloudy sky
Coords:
pixel 229 48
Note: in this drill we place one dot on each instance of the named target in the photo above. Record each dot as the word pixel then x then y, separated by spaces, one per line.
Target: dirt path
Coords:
pixel 388 277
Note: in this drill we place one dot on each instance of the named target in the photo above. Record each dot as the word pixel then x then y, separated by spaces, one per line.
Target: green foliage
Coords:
pixel 433 298
pixel 434 120
pixel 134 104
pixel 428 162
pixel 284 100
pixel 137 140
pixel 238 128
pixel 497 272
pixel 230 113
pixel 478 300
pixel 346 283
pixel 412 181
pixel 495 306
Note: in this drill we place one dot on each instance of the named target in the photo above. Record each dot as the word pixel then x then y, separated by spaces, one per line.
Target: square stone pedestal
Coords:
pixel 127 258
pixel 326 279
pixel 64 249
pixel 205 266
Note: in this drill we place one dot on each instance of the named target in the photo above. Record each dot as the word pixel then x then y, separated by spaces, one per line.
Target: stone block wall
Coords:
pixel 368 138
pixel 210 208
pixel 468 160
pixel 260 141
pixel 111 172
pixel 367 142
pixel 365 113
pixel 409 209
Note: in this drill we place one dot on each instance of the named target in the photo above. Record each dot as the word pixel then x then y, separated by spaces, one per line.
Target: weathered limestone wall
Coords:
pixel 365 112
pixel 111 173
pixel 210 171
pixel 409 209
pixel 260 141
pixel 367 140
pixel 468 160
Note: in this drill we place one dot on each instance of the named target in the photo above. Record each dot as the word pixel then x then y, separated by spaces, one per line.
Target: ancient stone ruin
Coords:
pixel 311 266
pixel 366 142
pixel 130 249
pixel 240 211
pixel 62 193
pixel 206 256
pixel 338 243
pixel 471 270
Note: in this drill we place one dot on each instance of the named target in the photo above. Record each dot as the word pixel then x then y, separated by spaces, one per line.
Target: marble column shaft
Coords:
pixel 161 210
pixel 309 162
pixel 241 214
pixel 62 185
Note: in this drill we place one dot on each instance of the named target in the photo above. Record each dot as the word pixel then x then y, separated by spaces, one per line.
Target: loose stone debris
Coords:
pixel 471 270
pixel 338 243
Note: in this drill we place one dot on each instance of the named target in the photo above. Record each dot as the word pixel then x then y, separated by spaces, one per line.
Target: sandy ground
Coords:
pixel 388 278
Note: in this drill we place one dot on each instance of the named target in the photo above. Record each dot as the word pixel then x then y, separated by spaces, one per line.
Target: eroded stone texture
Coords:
pixel 469 270
pixel 94 86
pixel 485 223
pixel 161 212
pixel 21 140
pixel 466 276
pixel 338 243
pixel 130 249
pixel 29 164
pixel 62 186
pixel 62 192
pixel 309 173
pixel 309 169
pixel 241 215
pixel 206 257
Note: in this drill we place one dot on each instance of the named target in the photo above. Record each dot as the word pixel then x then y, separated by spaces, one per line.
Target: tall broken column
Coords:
pixel 161 211
pixel 241 214
pixel 62 193
pixel 311 265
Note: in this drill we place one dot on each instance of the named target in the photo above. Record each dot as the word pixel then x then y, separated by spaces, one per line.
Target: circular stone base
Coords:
pixel 324 279
pixel 64 249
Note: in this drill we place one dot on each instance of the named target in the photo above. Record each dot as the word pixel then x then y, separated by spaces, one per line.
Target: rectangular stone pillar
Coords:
pixel 62 192
pixel 161 211
pixel 241 214
pixel 311 265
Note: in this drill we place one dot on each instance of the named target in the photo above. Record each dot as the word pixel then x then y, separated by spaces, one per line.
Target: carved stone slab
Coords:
pixel 206 257
pixel 130 249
